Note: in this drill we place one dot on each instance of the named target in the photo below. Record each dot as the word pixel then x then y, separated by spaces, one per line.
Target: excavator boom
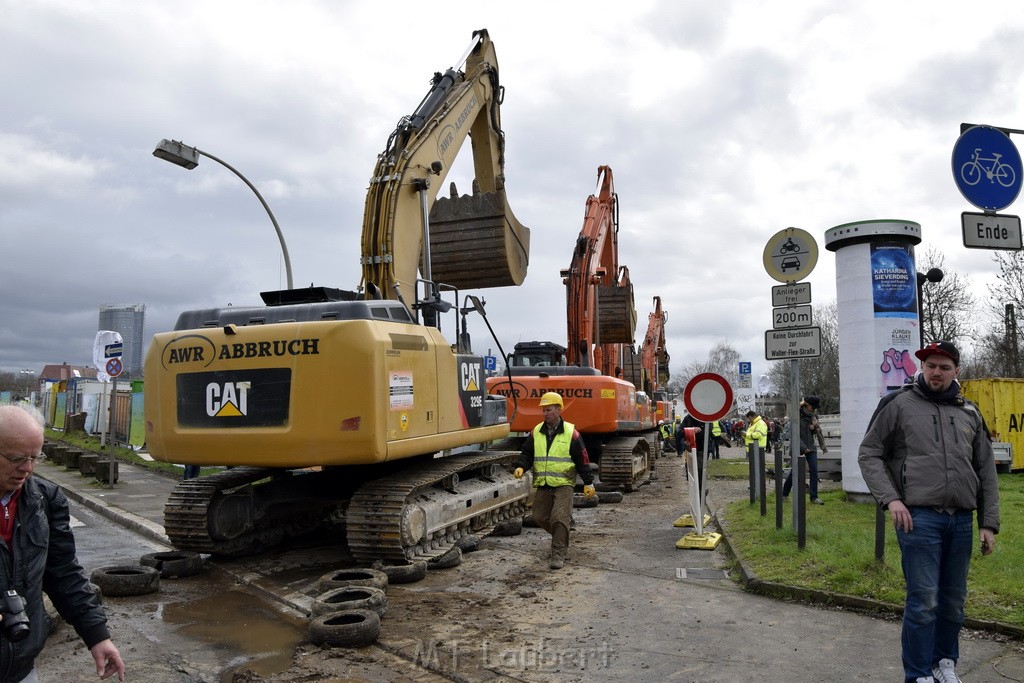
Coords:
pixel 466 242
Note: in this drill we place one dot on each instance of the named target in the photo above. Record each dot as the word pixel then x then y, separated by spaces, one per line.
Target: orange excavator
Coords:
pixel 654 362
pixel 617 421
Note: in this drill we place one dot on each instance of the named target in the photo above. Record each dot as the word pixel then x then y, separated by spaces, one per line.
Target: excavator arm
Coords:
pixel 653 355
pixel 599 295
pixel 467 242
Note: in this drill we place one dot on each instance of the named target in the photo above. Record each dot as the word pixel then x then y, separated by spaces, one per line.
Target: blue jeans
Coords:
pixel 936 556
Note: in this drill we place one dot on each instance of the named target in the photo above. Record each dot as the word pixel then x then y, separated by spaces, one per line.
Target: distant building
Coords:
pixel 130 322
pixel 58 373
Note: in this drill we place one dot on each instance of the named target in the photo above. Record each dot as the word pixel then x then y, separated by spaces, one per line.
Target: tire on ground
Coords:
pixel 402 572
pixel 351 598
pixel 468 544
pixel 347 628
pixel 341 578
pixel 174 564
pixel 609 496
pixel 581 501
pixel 508 527
pixel 452 558
pixel 126 580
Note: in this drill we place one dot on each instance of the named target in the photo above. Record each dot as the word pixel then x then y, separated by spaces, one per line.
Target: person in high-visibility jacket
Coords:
pixel 668 434
pixel 716 435
pixel 556 454
pixel 757 431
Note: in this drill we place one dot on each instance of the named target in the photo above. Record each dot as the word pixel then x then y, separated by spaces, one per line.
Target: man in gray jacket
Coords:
pixel 927 458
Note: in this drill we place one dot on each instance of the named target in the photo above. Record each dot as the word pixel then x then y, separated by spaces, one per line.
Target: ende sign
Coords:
pixel 991 231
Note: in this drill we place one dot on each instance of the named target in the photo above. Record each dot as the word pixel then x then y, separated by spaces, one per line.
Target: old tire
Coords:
pixel 452 558
pixel 508 527
pixel 174 564
pixel 581 501
pixel 126 580
pixel 407 572
pixel 609 496
pixel 351 598
pixel 347 628
pixel 341 578
pixel 468 544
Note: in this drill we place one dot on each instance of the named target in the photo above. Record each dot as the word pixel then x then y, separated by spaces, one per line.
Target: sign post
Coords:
pixel 708 397
pixel 988 172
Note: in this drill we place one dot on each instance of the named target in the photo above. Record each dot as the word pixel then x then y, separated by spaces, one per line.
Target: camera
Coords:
pixel 14 620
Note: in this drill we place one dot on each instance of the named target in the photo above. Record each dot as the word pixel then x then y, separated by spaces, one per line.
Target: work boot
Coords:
pixel 557 558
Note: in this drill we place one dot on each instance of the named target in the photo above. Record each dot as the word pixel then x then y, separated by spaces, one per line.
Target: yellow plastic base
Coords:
pixel 687 520
pixel 707 541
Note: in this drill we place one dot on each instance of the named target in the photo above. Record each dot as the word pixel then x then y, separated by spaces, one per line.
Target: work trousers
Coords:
pixel 552 510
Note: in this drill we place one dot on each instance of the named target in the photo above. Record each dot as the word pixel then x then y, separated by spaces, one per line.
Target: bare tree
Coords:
pixel 723 359
pixel 819 376
pixel 947 305
pixel 998 351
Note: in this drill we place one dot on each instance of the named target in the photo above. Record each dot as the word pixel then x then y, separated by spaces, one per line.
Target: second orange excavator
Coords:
pixel 617 420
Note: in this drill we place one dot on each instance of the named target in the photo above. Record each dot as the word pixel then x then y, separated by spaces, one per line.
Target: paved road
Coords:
pixel 664 613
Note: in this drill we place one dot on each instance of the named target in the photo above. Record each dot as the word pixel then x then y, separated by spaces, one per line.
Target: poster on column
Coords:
pixel 894 294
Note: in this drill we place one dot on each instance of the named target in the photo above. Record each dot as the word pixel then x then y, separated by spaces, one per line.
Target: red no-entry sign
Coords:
pixel 708 397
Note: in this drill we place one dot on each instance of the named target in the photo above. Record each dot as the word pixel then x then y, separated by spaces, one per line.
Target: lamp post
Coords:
pixel 933 275
pixel 187 157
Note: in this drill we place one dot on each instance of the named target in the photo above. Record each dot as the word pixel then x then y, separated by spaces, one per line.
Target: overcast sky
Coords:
pixel 723 122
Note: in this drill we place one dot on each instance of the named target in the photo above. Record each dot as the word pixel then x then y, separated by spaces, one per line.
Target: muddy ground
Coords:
pixel 629 605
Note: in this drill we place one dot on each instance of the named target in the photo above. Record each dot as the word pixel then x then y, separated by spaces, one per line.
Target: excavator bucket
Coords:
pixel 476 241
pixel 616 314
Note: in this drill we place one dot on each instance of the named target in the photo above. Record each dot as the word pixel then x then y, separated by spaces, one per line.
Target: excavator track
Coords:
pixel 190 515
pixel 625 461
pixel 385 518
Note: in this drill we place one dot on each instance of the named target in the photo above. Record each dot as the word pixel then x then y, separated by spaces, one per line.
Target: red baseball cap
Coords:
pixel 940 348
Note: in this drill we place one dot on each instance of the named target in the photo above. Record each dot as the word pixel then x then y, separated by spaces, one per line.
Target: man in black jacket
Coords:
pixel 37 554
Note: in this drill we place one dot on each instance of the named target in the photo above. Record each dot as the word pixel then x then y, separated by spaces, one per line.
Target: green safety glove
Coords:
pixel 589 491
pixel 518 474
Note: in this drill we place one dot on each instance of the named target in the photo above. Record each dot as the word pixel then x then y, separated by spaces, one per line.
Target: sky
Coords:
pixel 723 122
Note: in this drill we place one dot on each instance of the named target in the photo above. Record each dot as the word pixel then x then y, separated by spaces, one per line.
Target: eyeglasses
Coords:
pixel 19 460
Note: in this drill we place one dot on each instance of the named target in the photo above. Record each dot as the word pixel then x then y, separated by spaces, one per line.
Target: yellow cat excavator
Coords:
pixel 348 410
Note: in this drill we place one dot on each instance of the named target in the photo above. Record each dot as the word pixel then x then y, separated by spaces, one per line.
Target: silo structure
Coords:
pixel 879 326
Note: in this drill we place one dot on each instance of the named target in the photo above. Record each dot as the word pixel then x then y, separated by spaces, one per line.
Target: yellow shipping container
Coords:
pixel 1001 401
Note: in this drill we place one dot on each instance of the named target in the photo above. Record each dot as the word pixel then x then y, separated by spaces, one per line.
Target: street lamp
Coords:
pixel 187 157
pixel 933 275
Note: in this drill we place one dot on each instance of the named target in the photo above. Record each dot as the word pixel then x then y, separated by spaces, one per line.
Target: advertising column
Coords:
pixel 876 300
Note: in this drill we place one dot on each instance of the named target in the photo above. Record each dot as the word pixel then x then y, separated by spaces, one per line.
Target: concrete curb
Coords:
pixel 129 520
pixel 753 583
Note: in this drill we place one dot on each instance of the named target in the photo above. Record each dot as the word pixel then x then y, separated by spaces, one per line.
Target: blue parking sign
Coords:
pixel 745 368
pixel 490 363
pixel 987 168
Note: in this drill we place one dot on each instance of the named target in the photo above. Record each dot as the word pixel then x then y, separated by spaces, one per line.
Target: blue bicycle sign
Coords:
pixel 987 168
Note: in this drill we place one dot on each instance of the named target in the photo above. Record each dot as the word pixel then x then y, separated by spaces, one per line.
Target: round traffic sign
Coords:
pixel 987 168
pixel 708 397
pixel 790 255
pixel 114 367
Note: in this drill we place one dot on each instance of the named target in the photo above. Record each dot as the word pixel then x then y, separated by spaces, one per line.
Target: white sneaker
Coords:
pixel 944 672
pixel 925 679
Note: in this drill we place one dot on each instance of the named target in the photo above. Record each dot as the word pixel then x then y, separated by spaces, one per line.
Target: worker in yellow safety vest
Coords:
pixel 716 437
pixel 556 454
pixel 757 432
pixel 668 433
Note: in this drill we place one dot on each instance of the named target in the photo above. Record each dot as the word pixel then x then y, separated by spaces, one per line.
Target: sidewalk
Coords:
pixel 137 500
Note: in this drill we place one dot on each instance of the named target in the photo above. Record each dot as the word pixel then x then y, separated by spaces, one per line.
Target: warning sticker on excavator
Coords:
pixel 400 390
pixel 607 393
pixel 403 420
